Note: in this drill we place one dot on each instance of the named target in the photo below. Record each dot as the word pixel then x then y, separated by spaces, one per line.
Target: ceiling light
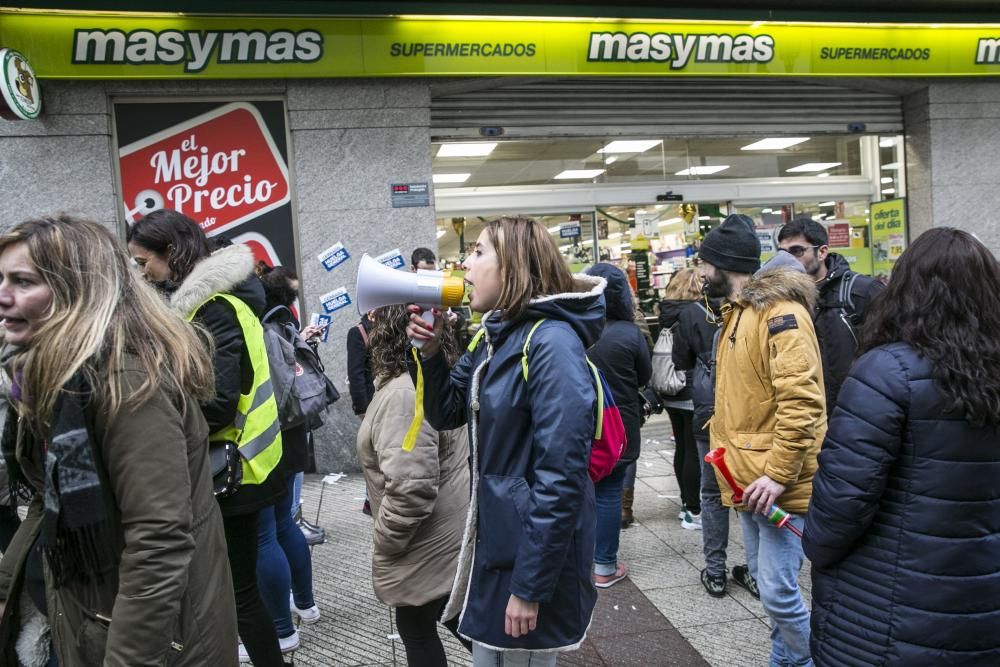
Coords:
pixel 630 146
pixel 827 203
pixel 610 160
pixel 887 142
pixel 822 175
pixel 774 144
pixel 441 232
pixel 578 173
pixel 891 165
pixel 704 217
pixel 886 179
pixel 658 207
pixel 814 166
pixel 702 171
pixel 466 150
pixel 451 178
pixel 766 210
pixel 615 235
pixel 889 191
pixel 670 221
pixel 641 212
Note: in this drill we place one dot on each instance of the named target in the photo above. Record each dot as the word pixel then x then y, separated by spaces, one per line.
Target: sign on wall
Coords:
pixel 888 220
pixel 133 45
pixel 224 165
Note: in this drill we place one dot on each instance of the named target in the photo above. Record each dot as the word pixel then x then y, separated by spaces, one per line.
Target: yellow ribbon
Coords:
pixel 418 409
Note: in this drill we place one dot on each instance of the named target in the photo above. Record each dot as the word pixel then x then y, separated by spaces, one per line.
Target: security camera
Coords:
pixel 856 128
pixel 491 131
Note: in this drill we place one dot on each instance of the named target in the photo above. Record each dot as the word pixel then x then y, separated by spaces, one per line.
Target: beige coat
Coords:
pixel 770 409
pixel 419 498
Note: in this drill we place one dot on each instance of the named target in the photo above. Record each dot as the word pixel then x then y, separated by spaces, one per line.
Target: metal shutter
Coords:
pixel 623 106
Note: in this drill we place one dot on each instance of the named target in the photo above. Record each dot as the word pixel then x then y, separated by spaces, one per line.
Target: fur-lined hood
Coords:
pixel 219 273
pixel 777 285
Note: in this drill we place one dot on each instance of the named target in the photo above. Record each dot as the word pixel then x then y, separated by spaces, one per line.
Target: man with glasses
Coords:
pixel 844 297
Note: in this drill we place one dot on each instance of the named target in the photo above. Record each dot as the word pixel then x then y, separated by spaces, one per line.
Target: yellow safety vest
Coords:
pixel 256 429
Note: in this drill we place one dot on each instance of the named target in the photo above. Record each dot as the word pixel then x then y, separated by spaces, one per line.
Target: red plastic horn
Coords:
pixel 717 457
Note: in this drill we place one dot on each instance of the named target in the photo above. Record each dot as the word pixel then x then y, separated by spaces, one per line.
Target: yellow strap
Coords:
pixel 418 409
pixel 524 350
pixel 474 343
pixel 600 400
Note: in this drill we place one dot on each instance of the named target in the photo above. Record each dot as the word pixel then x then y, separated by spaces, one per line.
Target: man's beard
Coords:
pixel 718 286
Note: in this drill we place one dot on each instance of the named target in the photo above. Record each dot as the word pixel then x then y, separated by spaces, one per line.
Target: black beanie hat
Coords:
pixel 732 246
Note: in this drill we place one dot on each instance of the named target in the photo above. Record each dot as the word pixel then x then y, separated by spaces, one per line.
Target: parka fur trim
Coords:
pixel 777 285
pixel 220 272
pixel 584 287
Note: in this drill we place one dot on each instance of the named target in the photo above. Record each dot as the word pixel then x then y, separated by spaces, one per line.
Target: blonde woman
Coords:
pixel 418 498
pixel 106 383
pixel 684 287
pixel 529 543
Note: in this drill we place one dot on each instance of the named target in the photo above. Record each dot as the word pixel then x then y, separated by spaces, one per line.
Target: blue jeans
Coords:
pixel 487 657
pixel 714 516
pixel 283 564
pixel 608 495
pixel 774 556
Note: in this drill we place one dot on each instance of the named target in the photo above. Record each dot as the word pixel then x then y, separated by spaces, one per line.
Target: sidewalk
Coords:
pixel 661 615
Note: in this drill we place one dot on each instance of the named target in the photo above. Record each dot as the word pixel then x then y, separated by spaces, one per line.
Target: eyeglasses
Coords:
pixel 799 250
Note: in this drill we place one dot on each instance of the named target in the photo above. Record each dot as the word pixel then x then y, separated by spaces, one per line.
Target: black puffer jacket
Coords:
pixel 694 334
pixel 622 355
pixel 838 326
pixel 904 527
pixel 230 271
pixel 670 313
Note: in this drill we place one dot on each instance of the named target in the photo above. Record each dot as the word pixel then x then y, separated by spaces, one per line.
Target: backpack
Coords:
pixel 666 379
pixel 301 388
pixel 608 443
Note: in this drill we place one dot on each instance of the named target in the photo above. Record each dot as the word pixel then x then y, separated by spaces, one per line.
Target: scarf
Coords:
pixel 76 535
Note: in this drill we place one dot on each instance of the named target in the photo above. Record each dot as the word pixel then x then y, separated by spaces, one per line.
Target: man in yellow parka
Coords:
pixel 770 413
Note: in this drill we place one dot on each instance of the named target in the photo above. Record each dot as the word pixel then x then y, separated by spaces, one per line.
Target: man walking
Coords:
pixel 770 415
pixel 844 297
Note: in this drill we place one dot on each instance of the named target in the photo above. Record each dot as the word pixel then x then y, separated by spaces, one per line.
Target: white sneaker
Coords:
pixel 691 521
pixel 682 514
pixel 243 655
pixel 307 616
pixel 289 643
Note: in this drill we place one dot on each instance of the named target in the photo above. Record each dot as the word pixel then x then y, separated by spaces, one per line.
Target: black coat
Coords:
pixel 694 332
pixel 670 313
pixel 622 356
pixel 359 377
pixel 904 527
pixel 837 326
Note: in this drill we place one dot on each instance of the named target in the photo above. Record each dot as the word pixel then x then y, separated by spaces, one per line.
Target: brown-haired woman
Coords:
pixel 419 497
pixel 106 383
pixel 683 289
pixel 529 542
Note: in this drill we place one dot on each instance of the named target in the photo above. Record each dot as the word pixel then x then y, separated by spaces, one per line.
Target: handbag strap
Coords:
pixel 364 334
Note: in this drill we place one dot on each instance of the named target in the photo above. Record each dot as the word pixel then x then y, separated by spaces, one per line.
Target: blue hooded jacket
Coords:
pixel 530 529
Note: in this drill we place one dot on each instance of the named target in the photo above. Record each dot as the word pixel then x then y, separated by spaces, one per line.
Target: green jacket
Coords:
pixel 171 601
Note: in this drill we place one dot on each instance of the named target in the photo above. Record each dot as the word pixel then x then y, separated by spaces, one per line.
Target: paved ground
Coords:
pixel 660 616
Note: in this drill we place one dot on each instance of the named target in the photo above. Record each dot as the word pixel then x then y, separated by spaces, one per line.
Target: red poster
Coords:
pixel 222 167
pixel 840 235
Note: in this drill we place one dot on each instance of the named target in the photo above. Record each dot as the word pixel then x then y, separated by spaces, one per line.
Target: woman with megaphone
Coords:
pixel 528 544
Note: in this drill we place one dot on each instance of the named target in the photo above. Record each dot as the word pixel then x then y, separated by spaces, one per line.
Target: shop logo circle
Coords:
pixel 19 86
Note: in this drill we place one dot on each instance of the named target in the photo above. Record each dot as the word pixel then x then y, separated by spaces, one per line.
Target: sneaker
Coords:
pixel 308 615
pixel 716 586
pixel 289 643
pixel 314 534
pixel 682 514
pixel 609 580
pixel 366 508
pixel 691 521
pixel 741 575
pixel 241 651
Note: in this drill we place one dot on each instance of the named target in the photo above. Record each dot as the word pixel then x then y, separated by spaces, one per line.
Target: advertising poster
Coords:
pixel 224 165
pixel 888 234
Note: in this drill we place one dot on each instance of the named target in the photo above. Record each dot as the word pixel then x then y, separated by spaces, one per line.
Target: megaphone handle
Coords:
pixel 426 316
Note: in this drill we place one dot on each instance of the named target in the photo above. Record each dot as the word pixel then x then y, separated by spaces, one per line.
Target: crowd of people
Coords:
pixel 149 435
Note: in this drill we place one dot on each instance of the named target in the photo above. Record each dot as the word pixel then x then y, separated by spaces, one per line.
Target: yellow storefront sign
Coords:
pixel 888 220
pixel 149 46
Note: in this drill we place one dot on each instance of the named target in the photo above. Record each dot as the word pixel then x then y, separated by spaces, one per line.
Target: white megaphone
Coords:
pixel 378 286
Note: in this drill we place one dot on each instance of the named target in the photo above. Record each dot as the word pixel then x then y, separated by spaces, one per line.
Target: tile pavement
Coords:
pixel 659 616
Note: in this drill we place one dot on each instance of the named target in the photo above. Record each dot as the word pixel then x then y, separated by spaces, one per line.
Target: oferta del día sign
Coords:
pixel 151 46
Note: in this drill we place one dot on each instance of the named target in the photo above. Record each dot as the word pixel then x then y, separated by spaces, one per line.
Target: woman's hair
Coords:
pixel 685 285
pixel 278 286
pixel 530 264
pixel 944 301
pixel 174 236
pixel 389 348
pixel 101 313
